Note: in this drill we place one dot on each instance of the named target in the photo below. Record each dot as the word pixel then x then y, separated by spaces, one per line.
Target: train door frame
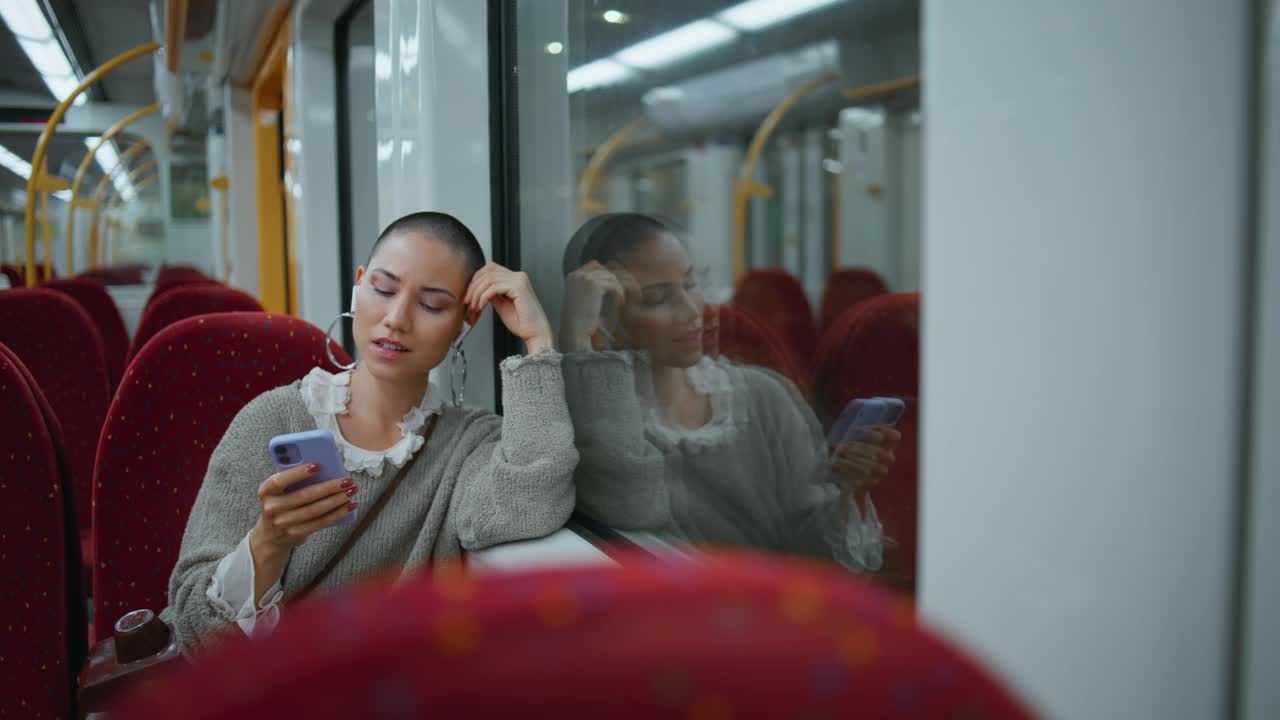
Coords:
pixel 271 106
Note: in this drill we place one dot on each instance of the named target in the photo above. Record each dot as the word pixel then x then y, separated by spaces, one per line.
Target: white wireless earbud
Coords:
pixel 355 291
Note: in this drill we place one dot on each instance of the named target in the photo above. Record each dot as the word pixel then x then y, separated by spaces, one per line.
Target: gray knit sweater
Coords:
pixel 485 480
pixel 759 481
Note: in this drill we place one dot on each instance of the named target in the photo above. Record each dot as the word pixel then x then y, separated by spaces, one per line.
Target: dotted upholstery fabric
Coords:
pixel 117 274
pixel 175 402
pixel 34 674
pixel 848 287
pixel 729 636
pixel 874 349
pixel 57 341
pixel 92 295
pixel 738 335
pixel 185 301
pixel 76 563
pixel 776 298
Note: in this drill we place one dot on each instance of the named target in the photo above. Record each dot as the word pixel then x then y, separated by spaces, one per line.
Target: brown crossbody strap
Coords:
pixel 367 519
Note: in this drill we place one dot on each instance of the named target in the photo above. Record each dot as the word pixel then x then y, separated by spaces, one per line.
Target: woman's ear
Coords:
pixel 359 274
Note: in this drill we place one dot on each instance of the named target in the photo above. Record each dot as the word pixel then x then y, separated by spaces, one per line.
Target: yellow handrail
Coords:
pixel 50 127
pixel 84 168
pixel 599 160
pixel 175 26
pixel 99 204
pixel 745 187
pixel 857 93
pixel 108 246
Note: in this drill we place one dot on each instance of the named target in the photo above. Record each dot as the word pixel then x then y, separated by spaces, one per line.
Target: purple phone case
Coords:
pixel 859 414
pixel 314 446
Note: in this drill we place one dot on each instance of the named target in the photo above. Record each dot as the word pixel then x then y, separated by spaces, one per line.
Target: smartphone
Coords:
pixel 312 446
pixel 862 414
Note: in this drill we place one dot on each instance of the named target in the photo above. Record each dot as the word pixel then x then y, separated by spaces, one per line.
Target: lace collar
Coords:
pixel 326 395
pixel 708 377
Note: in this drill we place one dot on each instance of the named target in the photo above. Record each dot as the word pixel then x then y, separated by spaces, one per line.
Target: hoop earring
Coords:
pixel 329 342
pixel 458 389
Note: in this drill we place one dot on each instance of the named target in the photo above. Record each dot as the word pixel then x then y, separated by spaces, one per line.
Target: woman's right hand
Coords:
pixel 288 519
pixel 594 295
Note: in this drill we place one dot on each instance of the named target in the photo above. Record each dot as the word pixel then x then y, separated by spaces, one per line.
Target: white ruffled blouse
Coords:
pixel 326 396
pixel 709 378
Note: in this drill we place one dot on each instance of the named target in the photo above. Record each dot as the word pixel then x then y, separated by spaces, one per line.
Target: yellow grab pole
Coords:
pixel 115 203
pixel 745 186
pixel 594 171
pixel 42 145
pixel 883 88
pixel 88 159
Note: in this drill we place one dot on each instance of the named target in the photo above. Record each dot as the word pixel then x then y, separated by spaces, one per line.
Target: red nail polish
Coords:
pixel 312 467
pixel 352 506
pixel 351 492
pixel 348 483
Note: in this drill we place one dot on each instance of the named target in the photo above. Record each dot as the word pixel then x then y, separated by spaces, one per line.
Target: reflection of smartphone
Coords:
pixel 862 414
pixel 312 446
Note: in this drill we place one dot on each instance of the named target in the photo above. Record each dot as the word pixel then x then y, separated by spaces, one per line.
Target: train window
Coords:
pixel 357 142
pixel 719 204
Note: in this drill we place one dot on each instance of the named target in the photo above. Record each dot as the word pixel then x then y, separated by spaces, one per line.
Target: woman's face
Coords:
pixel 409 306
pixel 666 318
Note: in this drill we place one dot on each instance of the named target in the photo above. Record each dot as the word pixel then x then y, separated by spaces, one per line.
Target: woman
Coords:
pixel 675 441
pixel 482 480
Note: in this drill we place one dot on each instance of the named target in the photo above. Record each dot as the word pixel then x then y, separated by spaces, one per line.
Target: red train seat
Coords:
pixel 97 302
pixel 874 349
pixel 777 299
pixel 734 333
pixel 848 287
pixel 36 674
pixel 173 405
pixel 184 301
pixel 59 344
pixel 732 636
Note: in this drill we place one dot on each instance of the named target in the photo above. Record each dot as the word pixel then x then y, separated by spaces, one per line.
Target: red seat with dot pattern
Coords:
pixel 733 332
pixel 172 276
pixel 847 287
pixel 175 402
pixel 874 350
pixel 186 301
pixel 93 297
pixel 777 299
pixel 58 342
pixel 730 636
pixel 35 672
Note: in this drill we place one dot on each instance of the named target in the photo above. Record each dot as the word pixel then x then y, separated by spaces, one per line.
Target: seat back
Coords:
pixel 96 301
pixel 181 302
pixel 176 400
pixel 732 332
pixel 62 348
pixel 35 679
pixel 874 349
pixel 847 287
pixel 777 299
pixel 16 277
pixel 131 274
pixel 730 636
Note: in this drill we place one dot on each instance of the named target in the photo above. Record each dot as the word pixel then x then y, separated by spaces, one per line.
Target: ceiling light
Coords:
pixel 685 41
pixel 38 40
pixel 17 165
pixel 554 48
pixel 759 14
pixel 616 17
pixel 596 74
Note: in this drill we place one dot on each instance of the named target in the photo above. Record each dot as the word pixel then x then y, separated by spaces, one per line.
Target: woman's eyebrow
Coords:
pixel 424 288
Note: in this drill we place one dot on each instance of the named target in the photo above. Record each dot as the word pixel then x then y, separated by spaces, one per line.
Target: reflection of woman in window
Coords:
pixel 675 441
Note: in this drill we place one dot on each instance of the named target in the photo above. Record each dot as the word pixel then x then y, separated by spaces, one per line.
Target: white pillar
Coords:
pixel 865 240
pixel 712 169
pixel 762 250
pixel 817 250
pixel 1086 229
pixel 792 189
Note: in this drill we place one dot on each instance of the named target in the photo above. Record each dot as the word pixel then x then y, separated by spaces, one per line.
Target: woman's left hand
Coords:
pixel 862 465
pixel 513 299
